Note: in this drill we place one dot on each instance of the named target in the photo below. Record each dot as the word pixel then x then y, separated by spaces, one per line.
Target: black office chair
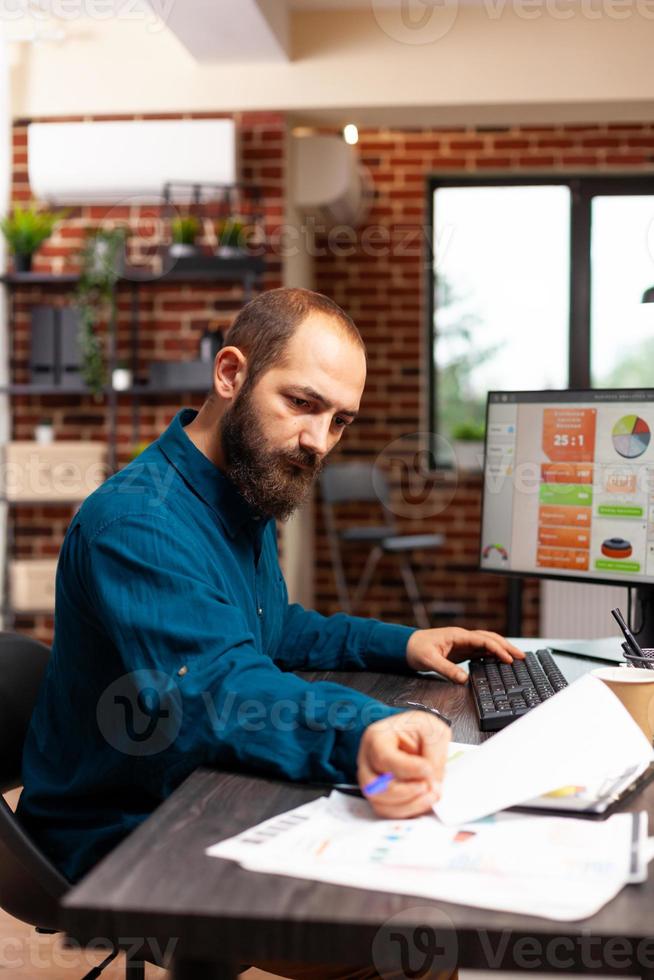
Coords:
pixel 30 886
pixel 359 482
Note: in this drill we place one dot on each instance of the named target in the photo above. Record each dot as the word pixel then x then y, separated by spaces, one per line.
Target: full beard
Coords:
pixel 268 479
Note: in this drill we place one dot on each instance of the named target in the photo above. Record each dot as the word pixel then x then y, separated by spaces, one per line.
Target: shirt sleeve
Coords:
pixel 174 625
pixel 311 641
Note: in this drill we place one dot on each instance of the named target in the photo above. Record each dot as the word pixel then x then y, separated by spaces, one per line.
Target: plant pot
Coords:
pixel 121 379
pixel 106 259
pixel 469 455
pixel 180 250
pixel 44 433
pixel 23 261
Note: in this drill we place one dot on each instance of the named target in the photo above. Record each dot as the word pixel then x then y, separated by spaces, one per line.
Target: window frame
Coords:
pixel 583 188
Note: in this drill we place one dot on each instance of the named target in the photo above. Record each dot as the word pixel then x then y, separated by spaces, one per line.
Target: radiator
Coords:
pixel 579 612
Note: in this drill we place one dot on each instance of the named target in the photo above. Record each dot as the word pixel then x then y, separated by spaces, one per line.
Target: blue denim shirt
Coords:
pixel 174 647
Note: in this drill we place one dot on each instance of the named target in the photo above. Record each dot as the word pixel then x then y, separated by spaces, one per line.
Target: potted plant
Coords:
pixel 468 445
pixel 25 230
pixel 184 231
pixel 44 432
pixel 103 260
pixel 230 235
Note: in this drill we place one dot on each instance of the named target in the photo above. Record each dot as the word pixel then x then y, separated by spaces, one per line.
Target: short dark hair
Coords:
pixel 265 325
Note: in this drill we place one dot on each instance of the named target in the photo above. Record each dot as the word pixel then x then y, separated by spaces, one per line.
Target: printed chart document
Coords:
pixel 573 868
pixel 468 851
pixel 580 736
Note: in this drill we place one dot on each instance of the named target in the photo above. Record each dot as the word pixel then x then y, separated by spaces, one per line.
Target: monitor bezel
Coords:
pixel 512 573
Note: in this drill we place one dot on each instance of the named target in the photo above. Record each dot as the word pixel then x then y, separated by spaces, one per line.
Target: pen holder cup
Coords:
pixel 635 689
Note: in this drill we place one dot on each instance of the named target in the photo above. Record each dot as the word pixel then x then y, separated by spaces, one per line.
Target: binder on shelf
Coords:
pixel 32 584
pixel 61 470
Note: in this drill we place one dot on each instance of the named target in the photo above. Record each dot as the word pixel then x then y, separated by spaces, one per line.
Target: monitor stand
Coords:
pixel 609 648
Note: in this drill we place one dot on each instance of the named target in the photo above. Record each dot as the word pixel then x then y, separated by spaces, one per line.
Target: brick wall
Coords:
pixel 173 317
pixel 378 275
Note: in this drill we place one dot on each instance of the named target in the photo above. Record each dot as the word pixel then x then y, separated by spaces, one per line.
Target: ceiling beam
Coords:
pixel 231 30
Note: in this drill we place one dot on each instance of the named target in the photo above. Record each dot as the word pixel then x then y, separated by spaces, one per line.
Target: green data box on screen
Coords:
pixel 606 565
pixel 566 494
pixel 619 510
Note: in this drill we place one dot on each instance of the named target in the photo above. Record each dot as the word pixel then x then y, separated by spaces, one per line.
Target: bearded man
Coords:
pixel 175 644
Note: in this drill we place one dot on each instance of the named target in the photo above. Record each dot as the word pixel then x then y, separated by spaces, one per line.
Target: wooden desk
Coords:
pixel 160 884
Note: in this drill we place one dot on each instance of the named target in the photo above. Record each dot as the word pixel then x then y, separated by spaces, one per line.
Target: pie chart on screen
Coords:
pixel 631 436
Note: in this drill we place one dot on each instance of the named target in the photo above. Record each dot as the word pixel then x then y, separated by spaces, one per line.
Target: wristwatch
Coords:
pixel 419 706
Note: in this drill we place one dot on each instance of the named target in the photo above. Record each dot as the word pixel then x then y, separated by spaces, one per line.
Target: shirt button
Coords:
pixel 260 611
pixel 182 671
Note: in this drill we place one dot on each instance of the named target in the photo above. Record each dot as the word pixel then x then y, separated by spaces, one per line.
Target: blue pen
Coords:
pixel 379 784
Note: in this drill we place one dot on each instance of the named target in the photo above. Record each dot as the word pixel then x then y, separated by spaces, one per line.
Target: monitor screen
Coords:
pixel 569 485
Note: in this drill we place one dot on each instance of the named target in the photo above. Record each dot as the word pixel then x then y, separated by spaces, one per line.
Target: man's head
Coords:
pixel 288 382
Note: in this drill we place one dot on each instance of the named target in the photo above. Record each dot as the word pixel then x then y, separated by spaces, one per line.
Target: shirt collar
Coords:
pixel 204 478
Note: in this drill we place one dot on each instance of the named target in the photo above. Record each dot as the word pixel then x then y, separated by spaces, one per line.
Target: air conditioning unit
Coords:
pixel 329 182
pixel 128 162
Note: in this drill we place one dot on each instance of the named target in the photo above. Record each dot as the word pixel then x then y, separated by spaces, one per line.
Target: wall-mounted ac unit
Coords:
pixel 329 182
pixel 115 162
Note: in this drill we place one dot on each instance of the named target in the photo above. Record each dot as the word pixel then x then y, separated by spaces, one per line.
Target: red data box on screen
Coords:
pixel 564 516
pixel 569 434
pixel 562 558
pixel 566 473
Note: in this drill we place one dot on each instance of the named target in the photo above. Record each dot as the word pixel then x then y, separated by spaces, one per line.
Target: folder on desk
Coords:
pixel 576 752
pixel 594 799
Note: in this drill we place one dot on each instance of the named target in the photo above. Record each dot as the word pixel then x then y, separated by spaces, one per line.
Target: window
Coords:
pixel 537 284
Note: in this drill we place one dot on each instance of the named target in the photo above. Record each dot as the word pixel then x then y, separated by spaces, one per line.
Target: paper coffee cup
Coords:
pixel 634 686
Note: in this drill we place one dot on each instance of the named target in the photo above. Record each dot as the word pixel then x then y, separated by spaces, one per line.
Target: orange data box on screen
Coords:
pixel 563 537
pixel 559 558
pixel 566 473
pixel 564 516
pixel 569 434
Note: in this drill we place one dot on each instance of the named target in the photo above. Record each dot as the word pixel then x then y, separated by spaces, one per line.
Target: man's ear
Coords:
pixel 229 372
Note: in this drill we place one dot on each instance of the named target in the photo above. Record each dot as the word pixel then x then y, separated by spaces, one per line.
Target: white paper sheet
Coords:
pixel 573 868
pixel 582 734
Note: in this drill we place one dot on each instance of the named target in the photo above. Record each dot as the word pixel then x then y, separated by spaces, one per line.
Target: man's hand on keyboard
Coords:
pixel 442 649
pixel 412 746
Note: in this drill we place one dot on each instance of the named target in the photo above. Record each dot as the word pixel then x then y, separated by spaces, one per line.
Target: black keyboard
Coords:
pixel 504 692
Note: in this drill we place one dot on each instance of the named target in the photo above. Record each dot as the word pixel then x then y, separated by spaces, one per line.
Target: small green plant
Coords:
pixel 102 259
pixel 137 448
pixel 185 230
pixel 27 228
pixel 229 232
pixel 469 431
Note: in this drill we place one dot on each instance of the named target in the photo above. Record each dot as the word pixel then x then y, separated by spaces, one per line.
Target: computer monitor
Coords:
pixel 569 491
